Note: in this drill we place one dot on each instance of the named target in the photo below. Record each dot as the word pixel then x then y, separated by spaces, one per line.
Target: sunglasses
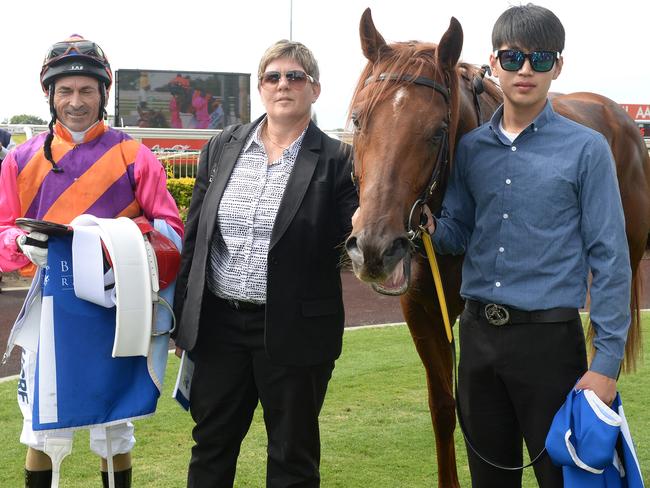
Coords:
pixel 295 78
pixel 85 48
pixel 540 61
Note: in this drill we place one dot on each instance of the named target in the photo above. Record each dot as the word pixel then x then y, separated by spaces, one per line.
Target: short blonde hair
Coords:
pixel 293 50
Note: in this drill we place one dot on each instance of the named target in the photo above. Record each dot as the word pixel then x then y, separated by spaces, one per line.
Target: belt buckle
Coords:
pixel 496 314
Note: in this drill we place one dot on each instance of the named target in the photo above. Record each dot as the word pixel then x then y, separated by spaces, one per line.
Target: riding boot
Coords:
pixel 122 478
pixel 38 479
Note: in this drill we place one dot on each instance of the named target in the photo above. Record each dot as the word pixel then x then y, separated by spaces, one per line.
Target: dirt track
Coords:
pixel 362 307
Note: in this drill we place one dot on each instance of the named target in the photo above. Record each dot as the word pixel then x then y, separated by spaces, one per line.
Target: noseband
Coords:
pixel 442 159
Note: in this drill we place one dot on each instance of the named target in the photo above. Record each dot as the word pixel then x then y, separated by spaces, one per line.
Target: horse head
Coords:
pixel 404 110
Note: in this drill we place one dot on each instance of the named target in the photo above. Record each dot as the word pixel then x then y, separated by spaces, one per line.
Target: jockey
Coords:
pixel 80 166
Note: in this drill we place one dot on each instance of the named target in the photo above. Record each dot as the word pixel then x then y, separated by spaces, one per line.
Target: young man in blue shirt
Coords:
pixel 533 202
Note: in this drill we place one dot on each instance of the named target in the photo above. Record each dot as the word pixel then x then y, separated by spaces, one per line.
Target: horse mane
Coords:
pixel 400 58
pixel 468 72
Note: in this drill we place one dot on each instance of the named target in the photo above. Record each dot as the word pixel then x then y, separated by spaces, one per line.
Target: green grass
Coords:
pixel 375 426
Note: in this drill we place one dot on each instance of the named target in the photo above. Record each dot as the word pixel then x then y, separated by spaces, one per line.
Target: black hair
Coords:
pixel 528 27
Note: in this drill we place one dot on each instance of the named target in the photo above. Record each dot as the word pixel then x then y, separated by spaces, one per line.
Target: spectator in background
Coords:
pixel 216 114
pixel 180 80
pixel 174 111
pixel 6 144
pixel 200 109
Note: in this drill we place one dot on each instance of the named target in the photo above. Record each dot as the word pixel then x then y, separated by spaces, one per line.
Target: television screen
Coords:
pixel 181 99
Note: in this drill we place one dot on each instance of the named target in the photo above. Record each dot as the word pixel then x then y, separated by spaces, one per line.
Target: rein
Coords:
pixel 435 271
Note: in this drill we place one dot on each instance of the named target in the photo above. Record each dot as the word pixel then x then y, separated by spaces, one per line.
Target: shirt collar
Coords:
pixel 540 121
pixel 95 130
pixel 256 138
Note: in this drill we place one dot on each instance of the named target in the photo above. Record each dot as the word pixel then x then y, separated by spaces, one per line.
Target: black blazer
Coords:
pixel 304 306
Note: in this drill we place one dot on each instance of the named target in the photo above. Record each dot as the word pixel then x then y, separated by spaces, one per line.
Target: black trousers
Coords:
pixel 232 372
pixel 512 380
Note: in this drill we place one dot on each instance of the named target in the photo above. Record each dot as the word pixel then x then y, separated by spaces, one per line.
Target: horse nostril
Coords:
pixel 397 248
pixel 351 243
pixel 353 250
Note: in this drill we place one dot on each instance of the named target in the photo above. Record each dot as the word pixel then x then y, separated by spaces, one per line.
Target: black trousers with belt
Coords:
pixel 512 380
pixel 231 373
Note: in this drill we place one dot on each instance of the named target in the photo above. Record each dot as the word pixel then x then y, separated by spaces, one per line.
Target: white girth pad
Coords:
pixel 132 294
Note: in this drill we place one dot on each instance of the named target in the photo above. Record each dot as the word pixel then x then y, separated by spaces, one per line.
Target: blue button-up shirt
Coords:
pixel 533 217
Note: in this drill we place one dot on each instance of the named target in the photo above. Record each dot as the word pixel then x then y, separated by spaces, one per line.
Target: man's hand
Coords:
pixel 430 225
pixel 34 246
pixel 603 386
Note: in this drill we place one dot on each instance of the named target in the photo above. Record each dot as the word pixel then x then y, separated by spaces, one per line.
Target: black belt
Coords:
pixel 239 305
pixel 497 314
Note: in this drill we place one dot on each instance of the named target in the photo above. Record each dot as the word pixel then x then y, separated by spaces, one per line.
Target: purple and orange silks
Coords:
pixel 108 175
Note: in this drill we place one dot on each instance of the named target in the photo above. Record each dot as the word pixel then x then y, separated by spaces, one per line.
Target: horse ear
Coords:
pixel 371 40
pixel 451 44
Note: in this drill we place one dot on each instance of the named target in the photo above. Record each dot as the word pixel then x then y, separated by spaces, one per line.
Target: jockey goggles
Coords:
pixel 514 59
pixel 84 48
pixel 295 78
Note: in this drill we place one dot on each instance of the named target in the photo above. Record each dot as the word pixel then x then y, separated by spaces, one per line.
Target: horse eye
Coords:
pixel 438 135
pixel 355 121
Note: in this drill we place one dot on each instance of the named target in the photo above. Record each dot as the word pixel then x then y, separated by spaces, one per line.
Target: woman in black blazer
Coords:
pixel 258 298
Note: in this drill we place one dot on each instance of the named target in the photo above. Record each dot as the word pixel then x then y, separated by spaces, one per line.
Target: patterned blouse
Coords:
pixel 239 249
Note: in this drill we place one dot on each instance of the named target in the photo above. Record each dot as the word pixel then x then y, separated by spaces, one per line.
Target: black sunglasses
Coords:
pixel 540 61
pixel 295 78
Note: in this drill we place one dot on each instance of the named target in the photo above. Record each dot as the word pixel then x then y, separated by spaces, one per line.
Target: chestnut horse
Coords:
pixel 412 103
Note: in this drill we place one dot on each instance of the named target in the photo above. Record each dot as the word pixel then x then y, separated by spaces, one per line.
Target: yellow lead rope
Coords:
pixel 435 271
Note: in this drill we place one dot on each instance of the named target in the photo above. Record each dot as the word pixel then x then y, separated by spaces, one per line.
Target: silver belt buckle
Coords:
pixel 496 314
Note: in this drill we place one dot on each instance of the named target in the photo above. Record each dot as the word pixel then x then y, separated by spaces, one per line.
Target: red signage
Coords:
pixel 177 144
pixel 637 112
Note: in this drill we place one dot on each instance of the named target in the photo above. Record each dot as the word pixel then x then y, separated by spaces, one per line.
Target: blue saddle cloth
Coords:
pixel 592 443
pixel 78 383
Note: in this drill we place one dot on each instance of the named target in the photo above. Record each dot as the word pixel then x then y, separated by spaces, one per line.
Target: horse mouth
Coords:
pixel 398 281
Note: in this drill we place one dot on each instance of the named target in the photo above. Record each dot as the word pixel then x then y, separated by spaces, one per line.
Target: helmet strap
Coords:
pixel 47 146
pixel 50 97
pixel 103 96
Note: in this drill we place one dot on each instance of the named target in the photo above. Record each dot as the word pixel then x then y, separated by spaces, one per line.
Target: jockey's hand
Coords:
pixel 34 246
pixel 430 224
pixel 603 386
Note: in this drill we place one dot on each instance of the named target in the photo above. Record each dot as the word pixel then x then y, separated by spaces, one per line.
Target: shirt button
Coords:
pixel 514 148
pixel 505 215
pixel 498 284
pixel 508 181
pixel 501 249
pixel 535 129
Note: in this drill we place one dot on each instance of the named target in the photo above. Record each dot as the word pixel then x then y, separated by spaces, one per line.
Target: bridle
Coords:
pixel 442 159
